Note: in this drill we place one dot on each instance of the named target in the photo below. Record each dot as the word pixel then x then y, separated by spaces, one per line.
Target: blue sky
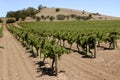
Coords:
pixel 107 7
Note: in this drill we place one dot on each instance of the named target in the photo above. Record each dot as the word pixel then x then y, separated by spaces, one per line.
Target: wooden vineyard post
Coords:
pixel 56 67
pixel 114 44
pixel 95 48
pixel 87 49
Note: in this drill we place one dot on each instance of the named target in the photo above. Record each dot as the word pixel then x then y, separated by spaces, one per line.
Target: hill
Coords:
pixel 47 12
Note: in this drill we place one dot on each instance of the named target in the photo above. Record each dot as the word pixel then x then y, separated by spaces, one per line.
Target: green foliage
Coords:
pixel 43 17
pixel 90 15
pixel 10 21
pixel 78 17
pixel 96 14
pixel 73 16
pixel 47 36
pixel 40 7
pixel 80 26
pixel 52 18
pixel 83 33
pixel 38 18
pixel 49 48
pixel 85 17
pixel 29 12
pixel 61 17
pixel 57 10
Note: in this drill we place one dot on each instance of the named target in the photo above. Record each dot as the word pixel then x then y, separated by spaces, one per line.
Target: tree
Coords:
pixel 47 17
pixel 40 7
pixel 10 14
pixel 29 12
pixel 52 18
pixel 38 18
pixel 78 17
pixel 42 16
pixel 72 15
pixel 83 12
pixel 90 15
pixel 61 17
pixel 57 10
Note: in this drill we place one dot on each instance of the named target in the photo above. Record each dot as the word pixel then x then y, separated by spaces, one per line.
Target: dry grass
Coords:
pixel 64 11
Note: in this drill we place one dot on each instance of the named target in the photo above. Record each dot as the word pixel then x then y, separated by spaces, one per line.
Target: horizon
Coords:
pixel 109 8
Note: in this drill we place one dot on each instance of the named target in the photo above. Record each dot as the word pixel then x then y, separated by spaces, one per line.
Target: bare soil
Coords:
pixel 17 63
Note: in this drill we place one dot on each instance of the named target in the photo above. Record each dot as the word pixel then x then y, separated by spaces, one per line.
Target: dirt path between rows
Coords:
pixel 16 64
pixel 13 63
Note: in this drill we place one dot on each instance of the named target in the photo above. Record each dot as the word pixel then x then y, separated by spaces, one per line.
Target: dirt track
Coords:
pixel 16 64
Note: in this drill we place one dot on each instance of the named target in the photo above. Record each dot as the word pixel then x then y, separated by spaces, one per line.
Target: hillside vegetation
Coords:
pixel 70 14
pixel 55 14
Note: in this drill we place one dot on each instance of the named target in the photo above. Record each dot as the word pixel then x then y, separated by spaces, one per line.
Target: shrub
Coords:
pixel 72 15
pixel 90 15
pixel 100 17
pixel 57 9
pixel 85 17
pixel 42 16
pixel 47 16
pixel 61 17
pixel 83 12
pixel 38 18
pixel 10 21
pixel 96 14
pixel 78 17
pixel 67 17
pixel 52 18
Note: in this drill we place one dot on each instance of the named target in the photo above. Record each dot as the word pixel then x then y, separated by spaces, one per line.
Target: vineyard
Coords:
pixel 50 40
pixel 74 50
pixel 86 35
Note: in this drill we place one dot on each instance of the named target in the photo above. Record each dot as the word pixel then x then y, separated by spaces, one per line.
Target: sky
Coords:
pixel 106 7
